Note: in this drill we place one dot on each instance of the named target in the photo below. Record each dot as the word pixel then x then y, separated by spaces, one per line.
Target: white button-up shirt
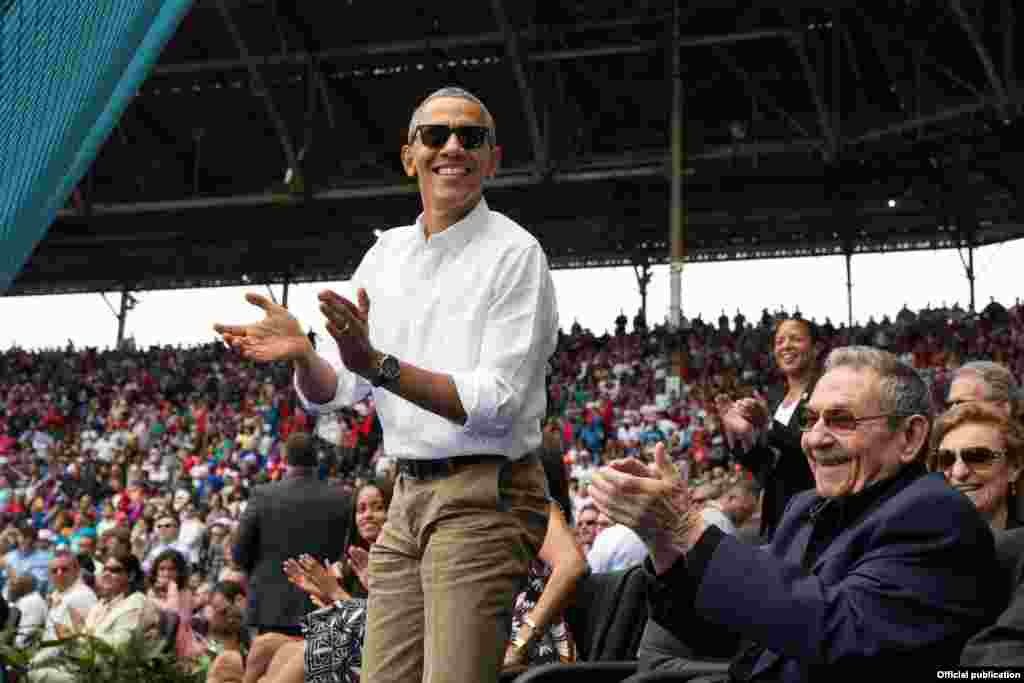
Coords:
pixel 476 302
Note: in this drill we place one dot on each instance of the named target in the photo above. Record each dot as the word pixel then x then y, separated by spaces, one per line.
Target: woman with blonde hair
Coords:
pixel 980 451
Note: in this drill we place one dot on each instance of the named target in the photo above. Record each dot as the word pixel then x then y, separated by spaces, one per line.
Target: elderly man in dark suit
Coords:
pixel 299 514
pixel 879 566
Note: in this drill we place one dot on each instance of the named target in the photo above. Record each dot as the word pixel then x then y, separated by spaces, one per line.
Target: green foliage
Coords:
pixel 88 659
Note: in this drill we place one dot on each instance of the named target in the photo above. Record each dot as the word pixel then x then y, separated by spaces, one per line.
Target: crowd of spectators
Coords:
pixel 158 449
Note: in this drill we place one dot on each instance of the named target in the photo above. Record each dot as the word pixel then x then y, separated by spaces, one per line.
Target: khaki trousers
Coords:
pixel 445 571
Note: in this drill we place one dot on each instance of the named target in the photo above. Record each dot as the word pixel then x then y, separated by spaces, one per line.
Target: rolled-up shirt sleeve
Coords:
pixel 350 389
pixel 519 335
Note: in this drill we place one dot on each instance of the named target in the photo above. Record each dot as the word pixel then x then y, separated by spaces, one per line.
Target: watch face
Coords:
pixel 390 369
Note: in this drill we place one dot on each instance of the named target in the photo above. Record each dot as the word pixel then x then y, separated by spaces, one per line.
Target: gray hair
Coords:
pixel 901 389
pixel 1000 384
pixel 458 93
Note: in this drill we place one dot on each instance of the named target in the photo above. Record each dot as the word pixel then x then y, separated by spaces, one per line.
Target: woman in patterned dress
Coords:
pixel 340 595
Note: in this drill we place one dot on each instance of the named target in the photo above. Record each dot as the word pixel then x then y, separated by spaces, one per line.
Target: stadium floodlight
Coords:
pixel 892 203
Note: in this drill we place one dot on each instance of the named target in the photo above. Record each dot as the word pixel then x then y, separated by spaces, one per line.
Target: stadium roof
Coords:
pixel 811 128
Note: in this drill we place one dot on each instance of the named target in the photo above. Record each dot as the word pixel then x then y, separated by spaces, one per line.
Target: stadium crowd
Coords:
pixel 127 472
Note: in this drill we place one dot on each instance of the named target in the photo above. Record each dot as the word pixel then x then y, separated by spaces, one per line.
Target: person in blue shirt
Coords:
pixel 28 558
pixel 592 435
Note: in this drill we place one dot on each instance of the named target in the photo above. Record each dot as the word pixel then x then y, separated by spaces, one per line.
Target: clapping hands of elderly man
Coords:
pixel 652 500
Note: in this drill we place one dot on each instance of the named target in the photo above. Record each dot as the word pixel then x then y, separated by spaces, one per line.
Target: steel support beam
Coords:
pixel 261 88
pixel 413 47
pixel 921 121
pixel 835 86
pixel 798 44
pixel 677 179
pixel 1009 55
pixel 758 93
pixel 1002 101
pixel 405 47
pixel 515 56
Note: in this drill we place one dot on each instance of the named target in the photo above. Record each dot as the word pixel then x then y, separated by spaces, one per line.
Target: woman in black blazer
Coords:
pixel 768 443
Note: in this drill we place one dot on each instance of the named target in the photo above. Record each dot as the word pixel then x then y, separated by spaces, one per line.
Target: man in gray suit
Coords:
pixel 299 514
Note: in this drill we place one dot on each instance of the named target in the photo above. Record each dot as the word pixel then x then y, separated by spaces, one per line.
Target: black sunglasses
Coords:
pixel 975 457
pixel 435 135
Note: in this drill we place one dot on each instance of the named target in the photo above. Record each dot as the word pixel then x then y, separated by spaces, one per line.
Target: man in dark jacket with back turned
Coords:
pixel 299 514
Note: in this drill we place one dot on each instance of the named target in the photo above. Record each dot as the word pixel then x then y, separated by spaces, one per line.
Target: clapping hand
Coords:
pixel 652 500
pixel 277 337
pixel 349 325
pixel 359 562
pixel 297 577
pixel 741 418
pixel 311 576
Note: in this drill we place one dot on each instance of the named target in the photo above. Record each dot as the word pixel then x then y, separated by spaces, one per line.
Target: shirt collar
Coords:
pixel 849 508
pixel 455 236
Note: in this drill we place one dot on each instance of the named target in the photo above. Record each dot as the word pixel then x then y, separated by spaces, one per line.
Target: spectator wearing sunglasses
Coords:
pixel 464 319
pixel 879 565
pixel 166 538
pixel 980 451
pixel 984 380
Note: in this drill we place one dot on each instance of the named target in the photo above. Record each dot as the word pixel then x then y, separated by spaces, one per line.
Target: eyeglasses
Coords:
pixel 435 135
pixel 975 457
pixel 838 420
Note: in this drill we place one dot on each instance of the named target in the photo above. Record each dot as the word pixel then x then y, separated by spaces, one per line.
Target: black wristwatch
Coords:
pixel 387 372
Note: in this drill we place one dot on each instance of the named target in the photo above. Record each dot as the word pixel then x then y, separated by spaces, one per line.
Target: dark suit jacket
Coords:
pixel 908 582
pixel 285 519
pixel 779 465
pixel 1002 643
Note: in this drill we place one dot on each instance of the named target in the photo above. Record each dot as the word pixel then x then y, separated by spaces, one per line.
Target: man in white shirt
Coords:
pixel 167 530
pixel 616 547
pixel 706 497
pixel 69 591
pixel 32 606
pixel 464 321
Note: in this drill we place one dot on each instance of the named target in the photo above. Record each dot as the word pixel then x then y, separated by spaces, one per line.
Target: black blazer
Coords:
pixel 779 464
pixel 282 520
pixel 907 582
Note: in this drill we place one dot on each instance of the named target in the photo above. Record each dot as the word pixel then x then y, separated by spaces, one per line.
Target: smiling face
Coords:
pixel 845 462
pixel 793 348
pixel 987 485
pixel 114 580
pixel 450 177
pixel 371 513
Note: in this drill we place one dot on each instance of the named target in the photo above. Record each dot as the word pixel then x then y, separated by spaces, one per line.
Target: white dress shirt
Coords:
pixel 476 302
pixel 713 515
pixel 78 596
pixel 617 547
pixel 33 617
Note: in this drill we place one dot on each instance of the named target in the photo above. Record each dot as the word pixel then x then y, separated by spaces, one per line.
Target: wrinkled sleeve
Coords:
pixel 520 334
pixel 351 388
